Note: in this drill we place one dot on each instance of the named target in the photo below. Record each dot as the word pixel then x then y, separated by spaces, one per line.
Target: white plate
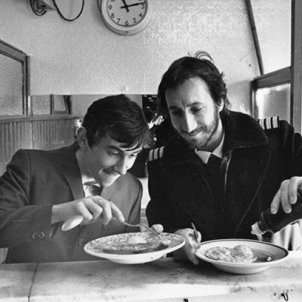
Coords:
pixel 98 247
pixel 263 249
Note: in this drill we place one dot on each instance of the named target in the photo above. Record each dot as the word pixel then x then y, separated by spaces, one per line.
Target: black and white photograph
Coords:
pixel 150 150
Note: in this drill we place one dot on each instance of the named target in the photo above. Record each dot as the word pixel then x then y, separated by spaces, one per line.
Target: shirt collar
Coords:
pixel 205 155
pixel 88 183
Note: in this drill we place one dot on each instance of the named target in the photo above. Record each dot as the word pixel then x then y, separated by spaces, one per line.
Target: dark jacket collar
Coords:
pixel 241 131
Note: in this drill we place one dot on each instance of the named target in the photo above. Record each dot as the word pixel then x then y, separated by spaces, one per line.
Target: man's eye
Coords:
pixel 113 153
pixel 196 110
pixel 134 155
pixel 176 113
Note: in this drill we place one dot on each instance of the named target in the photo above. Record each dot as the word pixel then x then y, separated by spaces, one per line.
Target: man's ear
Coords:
pixel 82 138
pixel 221 105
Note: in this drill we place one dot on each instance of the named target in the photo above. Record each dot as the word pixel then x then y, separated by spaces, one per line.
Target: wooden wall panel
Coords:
pixel 52 134
pixel 33 133
pixel 14 134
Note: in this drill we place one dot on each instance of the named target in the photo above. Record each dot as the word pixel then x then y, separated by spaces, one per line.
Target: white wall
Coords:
pixel 84 57
pixel 273 22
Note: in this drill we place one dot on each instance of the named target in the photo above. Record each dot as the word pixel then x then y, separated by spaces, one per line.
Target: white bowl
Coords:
pixel 268 250
pixel 98 247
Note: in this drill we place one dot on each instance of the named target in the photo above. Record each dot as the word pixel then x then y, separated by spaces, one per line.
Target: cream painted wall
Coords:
pixel 84 57
pixel 273 21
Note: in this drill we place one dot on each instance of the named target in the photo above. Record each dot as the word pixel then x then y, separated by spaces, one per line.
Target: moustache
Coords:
pixel 194 132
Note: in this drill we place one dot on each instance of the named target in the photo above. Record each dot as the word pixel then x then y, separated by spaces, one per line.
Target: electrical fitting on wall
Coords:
pixel 41 7
pixel 124 88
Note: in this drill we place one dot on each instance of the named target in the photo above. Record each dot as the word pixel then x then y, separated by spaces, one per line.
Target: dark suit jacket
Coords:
pixel 33 182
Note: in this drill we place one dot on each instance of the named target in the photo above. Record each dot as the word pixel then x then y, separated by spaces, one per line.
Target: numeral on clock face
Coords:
pixel 127 12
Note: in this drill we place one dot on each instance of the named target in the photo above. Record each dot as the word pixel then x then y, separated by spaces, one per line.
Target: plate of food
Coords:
pixel 134 248
pixel 241 256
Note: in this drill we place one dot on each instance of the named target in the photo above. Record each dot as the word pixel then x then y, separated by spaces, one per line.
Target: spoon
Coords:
pixel 76 220
pixel 142 226
pixel 195 231
pixel 72 222
pixel 196 244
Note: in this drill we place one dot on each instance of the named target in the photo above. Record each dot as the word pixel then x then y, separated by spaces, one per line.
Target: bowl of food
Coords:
pixel 134 248
pixel 241 256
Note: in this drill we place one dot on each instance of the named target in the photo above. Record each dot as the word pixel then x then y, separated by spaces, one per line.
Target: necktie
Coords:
pixel 213 168
pixel 92 189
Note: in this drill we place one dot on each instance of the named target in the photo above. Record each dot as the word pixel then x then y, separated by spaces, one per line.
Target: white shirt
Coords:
pixel 205 155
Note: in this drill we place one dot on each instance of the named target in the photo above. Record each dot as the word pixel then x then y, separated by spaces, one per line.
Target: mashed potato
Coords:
pixel 237 254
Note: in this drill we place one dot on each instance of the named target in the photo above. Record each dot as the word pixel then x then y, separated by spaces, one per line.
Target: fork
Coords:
pixel 195 237
pixel 195 231
pixel 142 226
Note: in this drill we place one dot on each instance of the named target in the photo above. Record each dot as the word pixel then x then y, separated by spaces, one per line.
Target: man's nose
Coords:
pixel 189 123
pixel 122 166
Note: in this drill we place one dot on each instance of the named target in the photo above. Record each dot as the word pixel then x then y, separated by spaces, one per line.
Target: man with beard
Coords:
pixel 221 169
pixel 41 190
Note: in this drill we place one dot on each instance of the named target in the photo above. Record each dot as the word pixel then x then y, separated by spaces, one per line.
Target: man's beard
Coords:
pixel 207 132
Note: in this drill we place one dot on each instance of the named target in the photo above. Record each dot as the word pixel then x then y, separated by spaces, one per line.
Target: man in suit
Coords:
pixel 41 190
pixel 222 168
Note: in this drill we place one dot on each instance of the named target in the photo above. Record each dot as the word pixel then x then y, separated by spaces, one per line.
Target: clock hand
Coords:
pixel 134 4
pixel 125 6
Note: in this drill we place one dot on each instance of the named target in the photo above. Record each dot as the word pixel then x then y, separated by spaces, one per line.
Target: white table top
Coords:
pixel 161 280
pixel 16 281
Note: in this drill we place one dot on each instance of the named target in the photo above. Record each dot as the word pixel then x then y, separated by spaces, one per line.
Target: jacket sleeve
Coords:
pixel 287 141
pixel 20 220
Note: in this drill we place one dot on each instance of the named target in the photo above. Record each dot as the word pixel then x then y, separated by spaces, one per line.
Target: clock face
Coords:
pixel 127 13
pixel 126 16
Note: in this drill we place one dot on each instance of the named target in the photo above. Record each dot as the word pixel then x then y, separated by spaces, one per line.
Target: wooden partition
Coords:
pixel 34 133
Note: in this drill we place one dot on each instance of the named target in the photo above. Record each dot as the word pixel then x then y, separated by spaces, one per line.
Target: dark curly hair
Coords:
pixel 121 118
pixel 200 65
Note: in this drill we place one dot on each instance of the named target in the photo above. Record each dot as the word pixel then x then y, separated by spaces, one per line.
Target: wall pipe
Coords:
pixel 255 35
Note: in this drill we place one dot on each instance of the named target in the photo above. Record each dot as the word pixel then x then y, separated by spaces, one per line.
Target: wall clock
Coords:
pixel 125 17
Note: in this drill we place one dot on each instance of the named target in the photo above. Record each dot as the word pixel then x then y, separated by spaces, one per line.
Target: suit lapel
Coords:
pixel 71 172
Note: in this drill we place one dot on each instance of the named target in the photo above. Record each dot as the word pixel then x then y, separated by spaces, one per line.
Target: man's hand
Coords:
pixel 91 208
pixel 287 195
pixel 158 228
pixel 187 251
